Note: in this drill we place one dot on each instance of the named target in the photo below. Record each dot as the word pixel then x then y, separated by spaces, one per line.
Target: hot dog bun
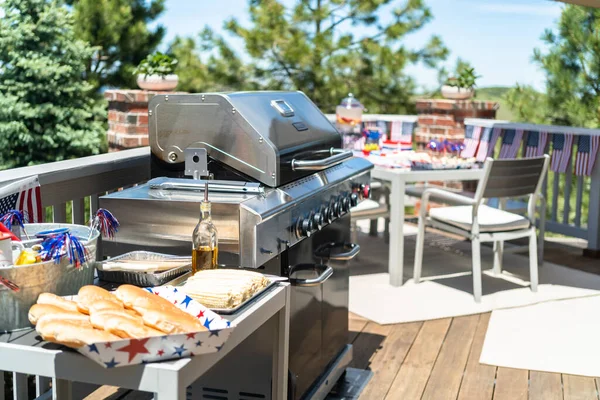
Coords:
pixel 127 328
pixel 158 312
pixel 71 334
pixel 99 319
pixel 104 305
pixel 90 294
pixel 38 310
pixel 52 299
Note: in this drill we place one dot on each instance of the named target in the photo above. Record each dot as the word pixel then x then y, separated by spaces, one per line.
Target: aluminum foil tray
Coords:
pixel 228 311
pixel 143 279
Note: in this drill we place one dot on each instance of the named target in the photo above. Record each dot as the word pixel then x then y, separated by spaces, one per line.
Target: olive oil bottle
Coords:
pixel 205 250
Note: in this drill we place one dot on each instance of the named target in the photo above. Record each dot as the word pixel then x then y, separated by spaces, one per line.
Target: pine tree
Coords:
pixel 119 31
pixel 315 46
pixel 46 110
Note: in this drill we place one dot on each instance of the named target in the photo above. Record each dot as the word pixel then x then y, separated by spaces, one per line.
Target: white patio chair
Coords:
pixel 480 223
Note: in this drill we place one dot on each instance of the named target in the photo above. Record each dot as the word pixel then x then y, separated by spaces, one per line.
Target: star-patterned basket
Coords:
pixel 169 347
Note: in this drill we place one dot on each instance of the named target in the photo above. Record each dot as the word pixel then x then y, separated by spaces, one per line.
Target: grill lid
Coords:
pixel 271 137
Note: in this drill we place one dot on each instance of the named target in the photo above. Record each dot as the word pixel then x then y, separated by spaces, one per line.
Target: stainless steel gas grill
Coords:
pixel 281 190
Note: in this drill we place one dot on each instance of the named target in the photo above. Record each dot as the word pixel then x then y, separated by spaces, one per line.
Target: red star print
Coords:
pixel 200 314
pixel 160 352
pixel 108 345
pixel 135 347
pixel 156 293
pixel 190 335
pixel 175 302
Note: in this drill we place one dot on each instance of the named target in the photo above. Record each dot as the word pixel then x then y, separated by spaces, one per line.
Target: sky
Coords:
pixel 496 36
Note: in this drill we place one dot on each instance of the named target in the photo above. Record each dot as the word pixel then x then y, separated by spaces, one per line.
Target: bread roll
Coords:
pixel 67 316
pixel 38 310
pixel 127 328
pixel 71 334
pixel 171 322
pixel 103 305
pixel 100 318
pixel 52 299
pixel 158 312
pixel 136 298
pixel 90 294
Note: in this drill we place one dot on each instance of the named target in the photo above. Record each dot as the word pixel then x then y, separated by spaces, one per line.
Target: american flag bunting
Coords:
pixel 484 144
pixel 472 134
pixel 511 142
pixel 587 150
pixel 24 195
pixel 562 145
pixel 536 143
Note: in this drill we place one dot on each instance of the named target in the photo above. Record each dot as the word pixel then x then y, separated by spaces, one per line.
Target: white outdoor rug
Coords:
pixel 447 288
pixel 557 336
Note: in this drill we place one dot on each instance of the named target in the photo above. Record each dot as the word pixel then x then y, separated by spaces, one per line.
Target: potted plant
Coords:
pixel 156 72
pixel 461 87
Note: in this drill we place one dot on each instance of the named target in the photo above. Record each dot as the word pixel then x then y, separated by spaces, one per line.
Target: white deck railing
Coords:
pixel 85 179
pixel 567 192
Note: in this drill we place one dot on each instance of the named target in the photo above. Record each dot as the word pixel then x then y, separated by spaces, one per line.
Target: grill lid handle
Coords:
pixel 336 157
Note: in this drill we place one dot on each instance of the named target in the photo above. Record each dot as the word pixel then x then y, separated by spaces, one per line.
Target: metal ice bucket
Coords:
pixel 62 279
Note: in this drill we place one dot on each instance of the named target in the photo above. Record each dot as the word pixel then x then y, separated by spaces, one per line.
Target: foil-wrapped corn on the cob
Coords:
pixel 224 288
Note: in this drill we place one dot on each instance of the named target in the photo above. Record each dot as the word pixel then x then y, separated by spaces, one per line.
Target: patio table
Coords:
pixel 23 352
pixel 398 178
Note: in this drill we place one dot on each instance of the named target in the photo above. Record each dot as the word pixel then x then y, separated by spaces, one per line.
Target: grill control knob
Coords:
pixel 354 199
pixel 317 220
pixel 335 208
pixel 304 227
pixel 340 207
pixel 345 204
pixel 327 215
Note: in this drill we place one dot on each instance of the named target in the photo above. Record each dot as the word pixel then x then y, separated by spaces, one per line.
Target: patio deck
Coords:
pixel 439 360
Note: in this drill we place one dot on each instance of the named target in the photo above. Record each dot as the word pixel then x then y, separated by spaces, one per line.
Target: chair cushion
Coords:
pixel 490 219
pixel 417 191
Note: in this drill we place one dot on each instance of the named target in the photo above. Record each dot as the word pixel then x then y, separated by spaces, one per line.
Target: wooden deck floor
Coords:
pixel 439 360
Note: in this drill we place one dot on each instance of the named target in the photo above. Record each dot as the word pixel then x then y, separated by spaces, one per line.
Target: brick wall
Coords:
pixel 441 119
pixel 128 118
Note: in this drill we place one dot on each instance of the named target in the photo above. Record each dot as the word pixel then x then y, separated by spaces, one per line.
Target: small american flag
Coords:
pixel 472 134
pixel 484 144
pixel 407 131
pixel 562 144
pixel 402 131
pixel 25 196
pixel 587 149
pixel 536 143
pixel 511 143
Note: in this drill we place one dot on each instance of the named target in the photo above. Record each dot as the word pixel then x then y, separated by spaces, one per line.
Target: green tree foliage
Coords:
pixel 572 67
pixel 325 48
pixel 527 104
pixel 119 31
pixel 46 111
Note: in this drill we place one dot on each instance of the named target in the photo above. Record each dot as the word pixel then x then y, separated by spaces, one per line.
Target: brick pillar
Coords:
pixel 128 118
pixel 441 119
